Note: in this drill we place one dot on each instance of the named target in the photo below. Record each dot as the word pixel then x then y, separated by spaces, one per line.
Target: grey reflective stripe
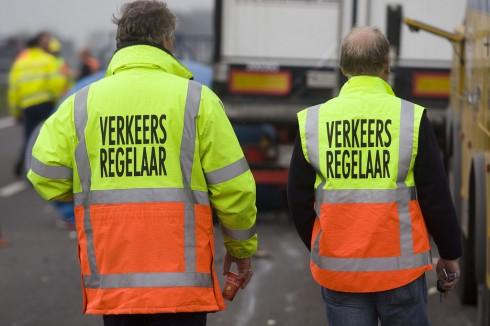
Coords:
pixel 240 235
pixel 312 143
pixel 193 102
pixel 311 135
pixel 319 195
pixel 148 280
pixel 38 77
pixel 51 172
pixel 367 264
pixel 143 195
pixel 228 172
pixel 406 140
pixel 404 161
pixel 341 196
pixel 84 172
pixel 371 264
pixel 38 95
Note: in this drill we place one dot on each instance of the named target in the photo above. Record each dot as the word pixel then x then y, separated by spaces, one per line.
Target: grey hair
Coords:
pixel 364 51
pixel 144 21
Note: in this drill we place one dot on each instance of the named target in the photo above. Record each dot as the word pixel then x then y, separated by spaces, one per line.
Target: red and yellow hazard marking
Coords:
pixel 276 83
pixel 431 84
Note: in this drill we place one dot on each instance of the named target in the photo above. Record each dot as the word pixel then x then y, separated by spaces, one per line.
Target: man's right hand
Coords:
pixel 244 266
pixel 451 266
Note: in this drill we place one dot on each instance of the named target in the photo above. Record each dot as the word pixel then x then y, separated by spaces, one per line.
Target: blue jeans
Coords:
pixel 405 306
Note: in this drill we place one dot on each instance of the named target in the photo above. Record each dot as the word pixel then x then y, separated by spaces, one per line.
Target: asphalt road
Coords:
pixel 40 282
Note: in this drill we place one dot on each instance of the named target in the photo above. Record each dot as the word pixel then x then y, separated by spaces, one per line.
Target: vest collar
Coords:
pixel 146 56
pixel 369 84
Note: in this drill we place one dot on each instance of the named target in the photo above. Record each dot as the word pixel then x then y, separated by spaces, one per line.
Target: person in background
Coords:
pixel 89 64
pixel 366 189
pixel 55 48
pixel 148 155
pixel 35 84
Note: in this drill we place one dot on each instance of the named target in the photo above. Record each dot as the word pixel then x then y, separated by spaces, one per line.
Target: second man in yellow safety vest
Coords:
pixel 148 155
pixel 366 185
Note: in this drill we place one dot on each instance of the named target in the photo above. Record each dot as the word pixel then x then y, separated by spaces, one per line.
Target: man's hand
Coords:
pixel 244 266
pixel 451 266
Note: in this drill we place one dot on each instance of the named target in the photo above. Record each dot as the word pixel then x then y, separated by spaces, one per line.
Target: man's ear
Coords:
pixel 343 73
pixel 168 43
pixel 387 70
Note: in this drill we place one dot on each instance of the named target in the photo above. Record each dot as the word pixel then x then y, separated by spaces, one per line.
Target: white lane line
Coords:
pixel 12 189
pixel 7 122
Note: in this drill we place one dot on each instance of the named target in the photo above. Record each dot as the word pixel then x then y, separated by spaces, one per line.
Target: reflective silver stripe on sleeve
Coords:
pixel 240 235
pixel 404 159
pixel 84 172
pixel 311 135
pixel 228 172
pixel 143 195
pixel 193 102
pixel 148 280
pixel 369 196
pixel 51 172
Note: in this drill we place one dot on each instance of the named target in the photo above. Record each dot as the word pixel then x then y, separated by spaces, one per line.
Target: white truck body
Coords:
pixel 308 32
pixel 281 32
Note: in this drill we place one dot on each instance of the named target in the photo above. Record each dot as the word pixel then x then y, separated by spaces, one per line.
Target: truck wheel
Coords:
pixel 479 168
pixel 467 286
pixel 467 290
pixel 455 164
pixel 483 306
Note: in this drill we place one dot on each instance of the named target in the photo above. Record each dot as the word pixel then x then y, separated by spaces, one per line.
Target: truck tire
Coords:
pixel 479 169
pixel 455 163
pixel 483 317
pixel 467 286
pixel 480 217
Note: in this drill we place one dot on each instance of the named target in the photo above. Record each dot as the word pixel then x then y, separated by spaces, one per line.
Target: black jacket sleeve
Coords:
pixel 301 194
pixel 434 195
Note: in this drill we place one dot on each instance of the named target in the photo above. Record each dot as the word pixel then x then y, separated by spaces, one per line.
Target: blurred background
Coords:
pixel 267 60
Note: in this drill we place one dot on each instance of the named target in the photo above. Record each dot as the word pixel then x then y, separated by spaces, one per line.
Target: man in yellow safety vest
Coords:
pixel 148 155
pixel 36 83
pixel 366 188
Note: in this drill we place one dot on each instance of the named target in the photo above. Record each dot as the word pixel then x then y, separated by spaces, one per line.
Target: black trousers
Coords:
pixel 33 116
pixel 182 319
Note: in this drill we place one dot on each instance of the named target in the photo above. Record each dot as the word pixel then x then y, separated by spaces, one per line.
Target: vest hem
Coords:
pixel 133 311
pixel 377 288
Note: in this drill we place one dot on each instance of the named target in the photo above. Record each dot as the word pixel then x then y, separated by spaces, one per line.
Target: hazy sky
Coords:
pixel 74 19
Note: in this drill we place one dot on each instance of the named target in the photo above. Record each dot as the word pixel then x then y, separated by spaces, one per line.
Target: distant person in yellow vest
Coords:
pixel 35 84
pixel 55 48
pixel 366 189
pixel 148 155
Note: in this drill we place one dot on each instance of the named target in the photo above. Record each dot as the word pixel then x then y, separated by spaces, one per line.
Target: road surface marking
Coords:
pixel 12 189
pixel 7 122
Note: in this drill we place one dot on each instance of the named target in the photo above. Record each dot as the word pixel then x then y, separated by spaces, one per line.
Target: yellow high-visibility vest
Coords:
pixel 369 234
pixel 148 154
